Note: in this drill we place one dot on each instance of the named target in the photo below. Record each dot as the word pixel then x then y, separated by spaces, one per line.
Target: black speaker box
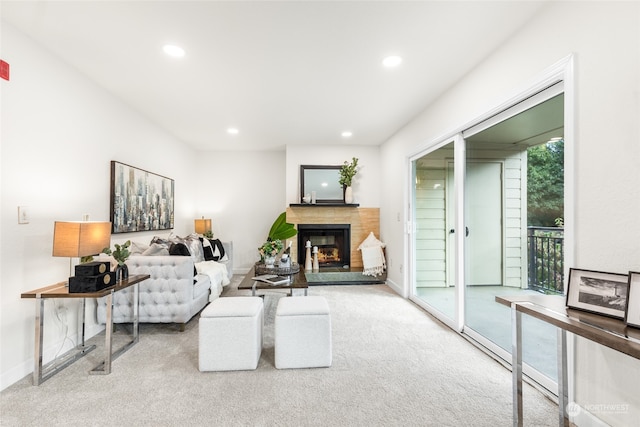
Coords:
pixel 92 268
pixel 91 283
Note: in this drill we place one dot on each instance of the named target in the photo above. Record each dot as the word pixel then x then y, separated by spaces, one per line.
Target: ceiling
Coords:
pixel 282 73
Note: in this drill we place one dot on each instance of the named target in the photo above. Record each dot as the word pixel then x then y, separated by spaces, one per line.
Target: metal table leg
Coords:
pixel 43 373
pixel 563 391
pixel 104 368
pixel 37 358
pixel 516 365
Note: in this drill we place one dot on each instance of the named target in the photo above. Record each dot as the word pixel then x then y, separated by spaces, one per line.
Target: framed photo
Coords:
pixel 598 292
pixel 140 200
pixel 632 315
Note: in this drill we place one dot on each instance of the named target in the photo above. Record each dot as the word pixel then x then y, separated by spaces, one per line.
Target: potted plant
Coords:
pixel 347 172
pixel 269 250
pixel 120 254
pixel 279 232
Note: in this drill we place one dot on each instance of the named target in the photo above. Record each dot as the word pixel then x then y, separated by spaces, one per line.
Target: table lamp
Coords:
pixel 76 239
pixel 203 226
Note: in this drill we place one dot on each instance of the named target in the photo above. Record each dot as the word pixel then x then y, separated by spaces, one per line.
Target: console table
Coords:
pixel 61 290
pixel 612 333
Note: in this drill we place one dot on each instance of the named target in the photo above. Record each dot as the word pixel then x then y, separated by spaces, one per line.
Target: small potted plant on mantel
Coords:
pixel 347 172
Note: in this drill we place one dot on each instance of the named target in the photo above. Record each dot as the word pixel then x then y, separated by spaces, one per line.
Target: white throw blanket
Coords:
pixel 372 256
pixel 218 276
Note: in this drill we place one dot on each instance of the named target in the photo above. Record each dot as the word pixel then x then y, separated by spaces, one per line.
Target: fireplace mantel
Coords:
pixel 324 205
pixel 362 220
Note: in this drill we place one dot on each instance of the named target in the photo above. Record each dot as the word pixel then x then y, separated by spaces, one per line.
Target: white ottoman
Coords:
pixel 230 334
pixel 303 333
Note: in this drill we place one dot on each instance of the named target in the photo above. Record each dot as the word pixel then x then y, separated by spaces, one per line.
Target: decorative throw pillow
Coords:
pixel 162 242
pixel 217 250
pixel 138 248
pixel 195 247
pixel 156 249
pixel 180 249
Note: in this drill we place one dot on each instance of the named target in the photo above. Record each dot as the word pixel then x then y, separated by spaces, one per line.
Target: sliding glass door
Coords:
pixel 476 221
pixel 433 213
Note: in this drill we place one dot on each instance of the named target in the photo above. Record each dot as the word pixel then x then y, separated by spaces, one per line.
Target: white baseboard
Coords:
pixel 398 289
pixel 583 418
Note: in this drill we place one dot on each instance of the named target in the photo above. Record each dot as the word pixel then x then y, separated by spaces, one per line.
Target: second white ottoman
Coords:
pixel 303 333
pixel 230 334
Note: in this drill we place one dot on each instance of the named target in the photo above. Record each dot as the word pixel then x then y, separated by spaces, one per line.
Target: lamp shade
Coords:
pixel 80 238
pixel 202 225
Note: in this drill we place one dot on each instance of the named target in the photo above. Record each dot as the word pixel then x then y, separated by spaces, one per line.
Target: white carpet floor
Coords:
pixel 393 365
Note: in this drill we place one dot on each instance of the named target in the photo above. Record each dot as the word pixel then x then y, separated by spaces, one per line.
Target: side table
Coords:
pixel 61 290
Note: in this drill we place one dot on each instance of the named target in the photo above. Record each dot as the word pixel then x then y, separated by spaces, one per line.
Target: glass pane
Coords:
pixel 433 215
pixel 502 200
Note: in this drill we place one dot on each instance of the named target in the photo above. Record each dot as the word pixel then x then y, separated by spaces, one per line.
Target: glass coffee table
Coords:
pixel 298 281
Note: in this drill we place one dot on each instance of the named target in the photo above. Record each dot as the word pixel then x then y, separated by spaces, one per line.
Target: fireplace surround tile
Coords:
pixel 362 221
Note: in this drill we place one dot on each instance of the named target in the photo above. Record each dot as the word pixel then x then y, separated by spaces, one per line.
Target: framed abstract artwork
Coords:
pixel 632 315
pixel 140 200
pixel 598 292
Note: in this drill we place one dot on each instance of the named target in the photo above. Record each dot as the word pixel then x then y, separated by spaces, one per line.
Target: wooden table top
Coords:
pixel 299 282
pixel 61 290
pixel 610 332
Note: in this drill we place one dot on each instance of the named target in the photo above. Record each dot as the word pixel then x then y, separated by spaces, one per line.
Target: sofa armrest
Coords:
pixel 228 250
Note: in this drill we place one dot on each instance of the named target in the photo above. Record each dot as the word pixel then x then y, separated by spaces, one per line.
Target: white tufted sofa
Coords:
pixel 169 296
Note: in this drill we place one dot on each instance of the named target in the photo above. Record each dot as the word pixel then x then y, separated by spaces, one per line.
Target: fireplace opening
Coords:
pixel 333 242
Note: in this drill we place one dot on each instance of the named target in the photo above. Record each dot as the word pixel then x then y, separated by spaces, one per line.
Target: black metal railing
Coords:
pixel 546 259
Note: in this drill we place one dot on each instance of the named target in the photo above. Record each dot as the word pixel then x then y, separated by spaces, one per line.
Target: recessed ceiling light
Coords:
pixel 233 131
pixel 391 61
pixel 347 134
pixel 173 50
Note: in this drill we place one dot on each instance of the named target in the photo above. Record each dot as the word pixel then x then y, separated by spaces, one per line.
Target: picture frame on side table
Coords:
pixel 598 292
pixel 140 200
pixel 632 315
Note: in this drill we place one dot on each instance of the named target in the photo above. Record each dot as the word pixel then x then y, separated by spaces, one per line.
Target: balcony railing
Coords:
pixel 546 259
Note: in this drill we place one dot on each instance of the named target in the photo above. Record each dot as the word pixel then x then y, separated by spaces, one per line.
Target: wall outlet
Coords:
pixel 23 215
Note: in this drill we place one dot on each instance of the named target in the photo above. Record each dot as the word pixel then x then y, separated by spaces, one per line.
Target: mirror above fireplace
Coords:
pixel 324 181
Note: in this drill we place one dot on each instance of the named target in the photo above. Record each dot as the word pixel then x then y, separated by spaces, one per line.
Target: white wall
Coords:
pixel 605 39
pixel 242 194
pixel 59 133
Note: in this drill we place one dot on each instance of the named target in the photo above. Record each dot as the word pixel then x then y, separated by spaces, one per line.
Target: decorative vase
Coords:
pixel 348 195
pixel 122 272
pixel 269 261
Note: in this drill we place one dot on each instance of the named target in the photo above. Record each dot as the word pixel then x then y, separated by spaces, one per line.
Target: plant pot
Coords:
pixel 348 195
pixel 122 272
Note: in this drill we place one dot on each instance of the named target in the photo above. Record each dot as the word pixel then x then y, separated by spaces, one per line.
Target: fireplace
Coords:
pixel 333 242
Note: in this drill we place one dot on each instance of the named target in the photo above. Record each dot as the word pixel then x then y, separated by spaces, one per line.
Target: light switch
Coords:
pixel 23 215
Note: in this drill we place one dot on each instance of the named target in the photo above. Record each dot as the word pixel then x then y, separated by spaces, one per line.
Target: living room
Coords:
pixel 61 129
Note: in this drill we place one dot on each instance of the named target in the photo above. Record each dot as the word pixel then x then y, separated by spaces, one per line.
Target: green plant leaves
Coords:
pixel 281 229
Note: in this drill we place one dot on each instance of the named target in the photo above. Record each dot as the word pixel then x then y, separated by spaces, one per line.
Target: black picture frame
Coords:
pixel 598 292
pixel 140 200
pixel 632 313
pixel 314 177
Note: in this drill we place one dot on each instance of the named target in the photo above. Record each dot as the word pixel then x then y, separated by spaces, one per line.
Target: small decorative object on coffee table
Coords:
pixel 278 269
